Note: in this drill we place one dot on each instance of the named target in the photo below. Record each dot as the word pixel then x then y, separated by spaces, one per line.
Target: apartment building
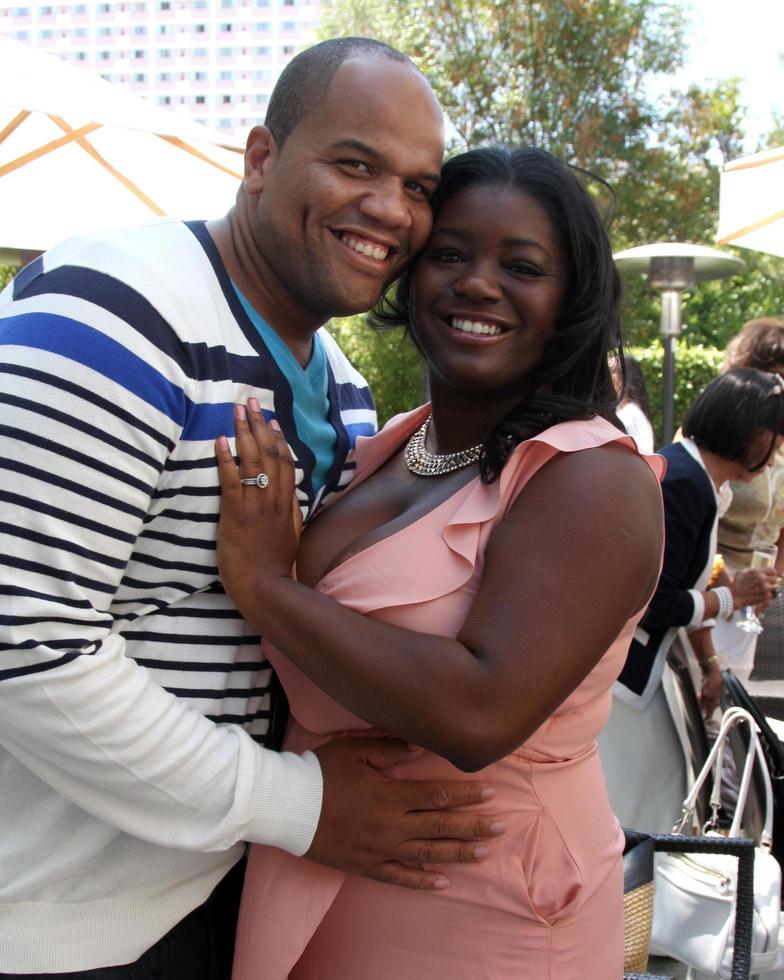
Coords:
pixel 214 60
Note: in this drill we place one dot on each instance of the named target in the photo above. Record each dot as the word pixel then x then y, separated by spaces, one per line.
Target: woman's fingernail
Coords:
pixel 488 793
pixel 253 405
pixel 274 425
pixel 498 827
pixel 239 412
pixel 481 851
pixel 223 443
pixel 441 883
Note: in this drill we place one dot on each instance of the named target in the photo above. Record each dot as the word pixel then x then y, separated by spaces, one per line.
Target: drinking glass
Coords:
pixel 764 556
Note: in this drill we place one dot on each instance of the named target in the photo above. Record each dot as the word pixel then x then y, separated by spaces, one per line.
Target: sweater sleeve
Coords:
pixel 686 525
pixel 91 411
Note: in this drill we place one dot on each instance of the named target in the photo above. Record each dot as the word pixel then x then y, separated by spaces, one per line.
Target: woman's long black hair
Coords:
pixel 573 380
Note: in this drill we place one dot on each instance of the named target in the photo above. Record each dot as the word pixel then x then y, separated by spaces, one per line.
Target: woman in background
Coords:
pixel 731 432
pixel 634 405
pixel 756 515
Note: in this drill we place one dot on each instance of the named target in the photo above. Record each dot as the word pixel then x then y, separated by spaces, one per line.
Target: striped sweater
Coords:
pixel 133 698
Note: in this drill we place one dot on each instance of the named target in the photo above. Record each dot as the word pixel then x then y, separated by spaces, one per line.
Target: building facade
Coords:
pixel 214 60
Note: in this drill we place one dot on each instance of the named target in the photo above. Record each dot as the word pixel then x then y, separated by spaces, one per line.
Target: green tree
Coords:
pixel 590 80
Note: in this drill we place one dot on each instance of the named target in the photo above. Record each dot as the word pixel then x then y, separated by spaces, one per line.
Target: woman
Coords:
pixel 756 515
pixel 633 410
pixel 731 432
pixel 475 593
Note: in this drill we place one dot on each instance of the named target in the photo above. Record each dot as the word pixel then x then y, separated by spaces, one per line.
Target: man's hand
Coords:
pixel 388 829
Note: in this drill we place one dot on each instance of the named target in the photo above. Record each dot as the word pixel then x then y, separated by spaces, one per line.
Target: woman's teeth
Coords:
pixel 476 326
pixel 365 248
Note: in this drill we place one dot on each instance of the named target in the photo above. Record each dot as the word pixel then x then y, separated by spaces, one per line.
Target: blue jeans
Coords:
pixel 201 947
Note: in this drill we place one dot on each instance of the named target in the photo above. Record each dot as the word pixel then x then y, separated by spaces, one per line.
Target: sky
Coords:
pixel 743 38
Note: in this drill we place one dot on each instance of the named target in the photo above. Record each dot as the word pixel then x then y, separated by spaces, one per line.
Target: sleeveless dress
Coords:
pixel 547 902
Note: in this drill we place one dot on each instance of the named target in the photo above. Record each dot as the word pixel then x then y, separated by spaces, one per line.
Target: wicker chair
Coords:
pixel 743 850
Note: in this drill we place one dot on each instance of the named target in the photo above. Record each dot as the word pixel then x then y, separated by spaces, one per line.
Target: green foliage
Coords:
pixel 7 273
pixel 695 366
pixel 591 81
pixel 388 360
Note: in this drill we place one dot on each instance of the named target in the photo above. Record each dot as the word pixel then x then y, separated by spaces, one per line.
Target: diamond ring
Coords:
pixel 260 480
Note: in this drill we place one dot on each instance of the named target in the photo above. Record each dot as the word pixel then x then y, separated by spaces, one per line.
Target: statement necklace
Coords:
pixel 421 462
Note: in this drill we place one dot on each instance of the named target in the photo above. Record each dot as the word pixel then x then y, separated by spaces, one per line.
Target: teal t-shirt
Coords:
pixel 310 394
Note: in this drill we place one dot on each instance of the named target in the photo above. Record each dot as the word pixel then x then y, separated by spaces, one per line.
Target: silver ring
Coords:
pixel 260 480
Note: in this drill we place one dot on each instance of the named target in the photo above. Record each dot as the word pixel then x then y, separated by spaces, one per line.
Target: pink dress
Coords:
pixel 547 903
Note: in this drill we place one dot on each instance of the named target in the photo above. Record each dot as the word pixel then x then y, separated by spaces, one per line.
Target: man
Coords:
pixel 132 699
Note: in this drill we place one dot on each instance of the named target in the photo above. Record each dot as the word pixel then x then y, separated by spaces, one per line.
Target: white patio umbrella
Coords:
pixel 751 202
pixel 78 154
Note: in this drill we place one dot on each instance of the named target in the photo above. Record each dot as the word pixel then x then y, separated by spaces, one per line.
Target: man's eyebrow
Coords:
pixel 372 153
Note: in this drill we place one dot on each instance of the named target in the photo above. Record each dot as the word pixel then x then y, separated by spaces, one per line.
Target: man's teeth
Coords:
pixel 476 326
pixel 365 248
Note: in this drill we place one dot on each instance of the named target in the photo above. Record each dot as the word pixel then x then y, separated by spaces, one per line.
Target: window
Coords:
pixel 105 55
pixel 139 77
pixel 80 9
pixel 165 100
pixel 226 99
pixel 104 8
pixel 104 32
pixel 47 35
pixel 263 26
pixel 200 76
pixel 226 76
pixel 200 99
pixel 226 27
pixel 23 35
pixel 164 5
pixel 81 56
pixel 200 28
pixel 21 11
pixel 288 49
pixel 200 52
pixel 289 25
pixel 288 3
pixel 164 76
pixel 165 53
pixel 225 52
pixel 46 11
pixel 138 53
pixel 262 52
pixel 80 32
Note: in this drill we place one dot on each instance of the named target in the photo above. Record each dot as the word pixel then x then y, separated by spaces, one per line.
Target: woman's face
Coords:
pixel 487 291
pixel 760 445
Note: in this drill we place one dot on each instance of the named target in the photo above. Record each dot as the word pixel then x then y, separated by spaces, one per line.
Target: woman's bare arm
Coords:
pixel 576 556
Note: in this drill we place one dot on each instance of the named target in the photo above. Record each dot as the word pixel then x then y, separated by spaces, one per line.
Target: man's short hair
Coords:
pixel 305 80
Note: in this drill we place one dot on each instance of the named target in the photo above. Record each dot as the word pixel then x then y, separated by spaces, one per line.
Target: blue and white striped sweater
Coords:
pixel 122 358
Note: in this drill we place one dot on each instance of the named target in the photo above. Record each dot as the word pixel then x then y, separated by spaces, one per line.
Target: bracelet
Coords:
pixel 712 659
pixel 726 601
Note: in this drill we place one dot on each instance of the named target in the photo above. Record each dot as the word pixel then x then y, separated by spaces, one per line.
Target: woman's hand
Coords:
pixel 710 687
pixel 260 522
pixel 755 587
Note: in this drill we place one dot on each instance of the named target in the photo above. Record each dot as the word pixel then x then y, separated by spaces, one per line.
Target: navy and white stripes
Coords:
pixel 121 358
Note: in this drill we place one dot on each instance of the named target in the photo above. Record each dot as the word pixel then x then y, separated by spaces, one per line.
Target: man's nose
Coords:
pixel 387 202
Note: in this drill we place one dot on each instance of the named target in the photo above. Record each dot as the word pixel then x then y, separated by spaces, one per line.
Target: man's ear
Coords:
pixel 261 150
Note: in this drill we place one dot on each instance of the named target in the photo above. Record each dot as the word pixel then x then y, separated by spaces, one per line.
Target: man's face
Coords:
pixel 343 207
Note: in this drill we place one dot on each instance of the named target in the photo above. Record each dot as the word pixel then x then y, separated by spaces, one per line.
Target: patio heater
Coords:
pixel 672 267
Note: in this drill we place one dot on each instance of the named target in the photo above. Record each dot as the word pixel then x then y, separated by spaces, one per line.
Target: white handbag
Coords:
pixel 694 894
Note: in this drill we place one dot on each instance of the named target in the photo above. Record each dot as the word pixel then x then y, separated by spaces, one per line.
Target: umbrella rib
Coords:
pixel 103 162
pixel 36 154
pixel 17 121
pixel 176 141
pixel 728 239
pixel 732 168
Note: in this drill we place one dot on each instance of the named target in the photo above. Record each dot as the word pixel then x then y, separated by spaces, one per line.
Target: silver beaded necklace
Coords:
pixel 421 462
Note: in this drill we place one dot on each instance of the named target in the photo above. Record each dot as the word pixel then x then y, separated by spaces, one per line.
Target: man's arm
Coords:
pixel 88 425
